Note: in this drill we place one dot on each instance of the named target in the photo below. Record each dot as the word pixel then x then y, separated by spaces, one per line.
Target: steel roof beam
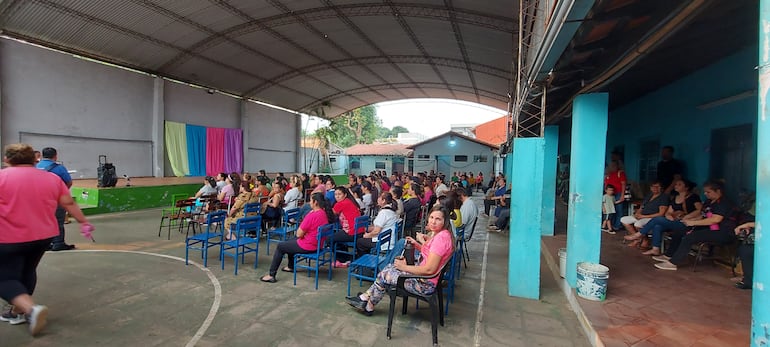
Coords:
pixel 374 60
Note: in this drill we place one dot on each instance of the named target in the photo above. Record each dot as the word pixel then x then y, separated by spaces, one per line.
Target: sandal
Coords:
pixel 652 252
pixel 287 269
pixel 634 243
pixel 271 279
pixel 633 237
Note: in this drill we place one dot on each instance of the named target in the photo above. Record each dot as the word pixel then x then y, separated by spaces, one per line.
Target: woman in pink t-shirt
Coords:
pixel 28 191
pixel 436 249
pixel 307 236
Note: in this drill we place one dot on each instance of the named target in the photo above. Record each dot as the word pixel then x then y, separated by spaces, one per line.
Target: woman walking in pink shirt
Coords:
pixel 23 239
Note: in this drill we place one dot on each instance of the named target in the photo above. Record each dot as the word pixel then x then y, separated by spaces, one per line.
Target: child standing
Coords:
pixel 608 209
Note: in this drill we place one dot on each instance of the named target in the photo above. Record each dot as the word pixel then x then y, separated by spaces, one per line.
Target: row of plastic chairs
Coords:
pixel 243 243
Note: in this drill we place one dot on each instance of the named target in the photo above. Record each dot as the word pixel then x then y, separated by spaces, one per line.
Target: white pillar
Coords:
pixel 158 130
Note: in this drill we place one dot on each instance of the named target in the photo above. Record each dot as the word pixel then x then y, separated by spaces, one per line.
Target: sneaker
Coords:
pixel 37 319
pixel 356 302
pixel 13 318
pixel 666 265
pixel 661 257
pixel 609 231
pixel 62 247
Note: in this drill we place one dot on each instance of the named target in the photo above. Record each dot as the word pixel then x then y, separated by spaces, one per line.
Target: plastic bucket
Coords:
pixel 563 262
pixel 592 281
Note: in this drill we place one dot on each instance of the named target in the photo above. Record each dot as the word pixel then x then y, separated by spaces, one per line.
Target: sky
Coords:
pixel 429 117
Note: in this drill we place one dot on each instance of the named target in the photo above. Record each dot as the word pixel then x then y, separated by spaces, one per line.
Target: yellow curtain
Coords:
pixel 176 148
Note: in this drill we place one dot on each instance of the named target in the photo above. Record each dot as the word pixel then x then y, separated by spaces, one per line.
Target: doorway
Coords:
pixel 733 159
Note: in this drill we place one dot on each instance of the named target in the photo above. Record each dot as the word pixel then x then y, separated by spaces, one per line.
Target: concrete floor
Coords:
pixel 133 289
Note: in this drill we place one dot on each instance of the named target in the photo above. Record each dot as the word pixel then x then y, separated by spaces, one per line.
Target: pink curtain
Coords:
pixel 233 150
pixel 215 151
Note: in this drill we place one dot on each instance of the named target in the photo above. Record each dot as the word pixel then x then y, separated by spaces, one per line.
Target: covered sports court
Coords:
pixel 111 77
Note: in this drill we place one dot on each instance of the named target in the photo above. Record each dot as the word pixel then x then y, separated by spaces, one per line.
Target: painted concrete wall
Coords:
pixel 368 164
pixel 85 109
pixel 671 114
pixel 273 138
pixel 462 147
pixel 81 108
pixel 190 105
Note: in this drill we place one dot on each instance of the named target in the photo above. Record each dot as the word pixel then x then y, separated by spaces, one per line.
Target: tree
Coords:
pixel 398 129
pixel 358 126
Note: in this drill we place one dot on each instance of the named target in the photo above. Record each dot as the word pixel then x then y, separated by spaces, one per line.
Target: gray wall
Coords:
pixel 185 104
pixel 273 139
pixel 81 108
pixel 462 147
pixel 85 109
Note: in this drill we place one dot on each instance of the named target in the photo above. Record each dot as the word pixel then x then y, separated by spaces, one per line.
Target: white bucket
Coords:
pixel 592 281
pixel 563 262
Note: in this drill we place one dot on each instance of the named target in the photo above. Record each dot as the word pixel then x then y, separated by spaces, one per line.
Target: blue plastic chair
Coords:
pixel 361 222
pixel 450 277
pixel 289 225
pixel 242 243
pixel 367 266
pixel 323 255
pixel 252 209
pixel 460 246
pixel 215 227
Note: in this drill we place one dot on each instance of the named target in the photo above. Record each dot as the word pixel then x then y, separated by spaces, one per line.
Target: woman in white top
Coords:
pixel 386 220
pixel 293 194
pixel 209 187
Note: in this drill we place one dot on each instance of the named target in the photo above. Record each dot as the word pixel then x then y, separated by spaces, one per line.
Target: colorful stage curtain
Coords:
pixel 233 150
pixel 196 149
pixel 215 151
pixel 176 147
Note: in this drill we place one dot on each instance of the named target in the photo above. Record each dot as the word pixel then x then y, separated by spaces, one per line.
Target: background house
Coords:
pixel 313 161
pixel 365 158
pixel 450 152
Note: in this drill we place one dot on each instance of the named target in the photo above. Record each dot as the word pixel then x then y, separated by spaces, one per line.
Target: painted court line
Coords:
pixel 480 310
pixel 217 287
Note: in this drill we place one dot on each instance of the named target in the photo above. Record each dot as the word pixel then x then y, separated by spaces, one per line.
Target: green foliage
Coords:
pixel 357 126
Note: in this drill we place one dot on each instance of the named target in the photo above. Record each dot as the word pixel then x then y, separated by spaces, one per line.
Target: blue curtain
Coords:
pixel 196 149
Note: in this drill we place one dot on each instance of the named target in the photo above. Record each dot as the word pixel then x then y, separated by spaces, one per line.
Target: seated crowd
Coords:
pixel 430 206
pixel 676 212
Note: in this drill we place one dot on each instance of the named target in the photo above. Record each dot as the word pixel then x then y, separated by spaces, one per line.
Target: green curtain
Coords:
pixel 176 148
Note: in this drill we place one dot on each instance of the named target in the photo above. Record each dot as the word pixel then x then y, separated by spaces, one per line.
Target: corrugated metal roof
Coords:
pixel 395 149
pixel 296 54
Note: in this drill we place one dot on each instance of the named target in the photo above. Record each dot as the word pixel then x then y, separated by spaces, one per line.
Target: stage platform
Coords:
pixel 144 192
pixel 141 182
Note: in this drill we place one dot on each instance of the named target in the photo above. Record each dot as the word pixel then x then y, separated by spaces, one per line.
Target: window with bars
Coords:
pixel 649 155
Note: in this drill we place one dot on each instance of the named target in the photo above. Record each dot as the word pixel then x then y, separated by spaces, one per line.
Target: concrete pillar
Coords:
pixel 158 130
pixel 245 129
pixel 551 154
pixel 589 141
pixel 300 167
pixel 526 179
pixel 760 303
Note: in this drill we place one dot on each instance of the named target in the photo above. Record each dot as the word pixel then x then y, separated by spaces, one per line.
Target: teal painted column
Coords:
pixel 550 154
pixel 760 303
pixel 589 141
pixel 526 210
